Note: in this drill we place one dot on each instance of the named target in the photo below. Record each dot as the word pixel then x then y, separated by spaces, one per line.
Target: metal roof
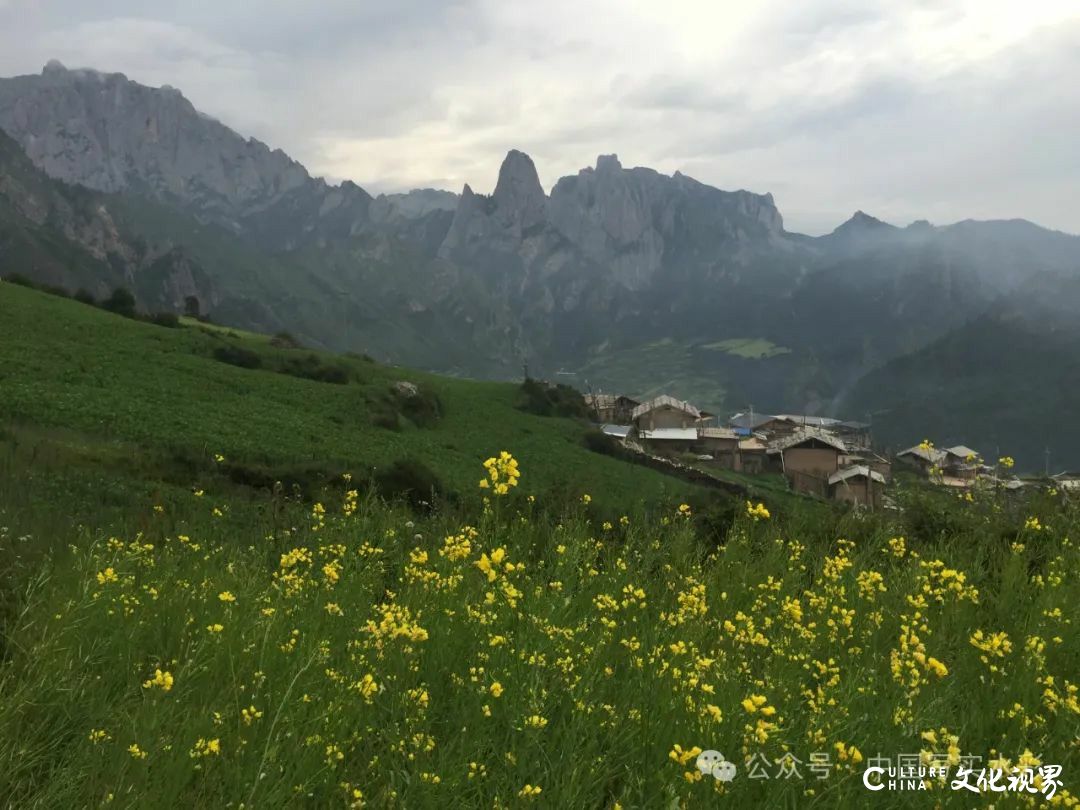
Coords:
pixel 669 434
pixel 805 435
pixel 752 443
pixel 662 401
pixel 743 420
pixel 808 421
pixel 717 433
pixel 861 456
pixel 962 452
pixel 859 470
pixel 618 431
pixel 933 455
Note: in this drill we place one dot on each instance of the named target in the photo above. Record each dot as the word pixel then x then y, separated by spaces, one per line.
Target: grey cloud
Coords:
pixel 832 105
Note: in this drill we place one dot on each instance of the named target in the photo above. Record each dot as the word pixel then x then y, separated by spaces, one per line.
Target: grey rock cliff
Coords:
pixel 108 133
pixel 520 202
pixel 637 220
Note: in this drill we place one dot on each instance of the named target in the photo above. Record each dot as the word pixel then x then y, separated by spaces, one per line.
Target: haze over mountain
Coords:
pixel 630 279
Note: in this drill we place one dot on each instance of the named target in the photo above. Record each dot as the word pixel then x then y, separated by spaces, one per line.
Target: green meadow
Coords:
pixel 213 596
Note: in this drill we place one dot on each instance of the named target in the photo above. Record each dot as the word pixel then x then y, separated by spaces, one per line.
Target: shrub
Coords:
pixel 21 280
pixel 411 480
pixel 310 367
pixel 237 356
pixel 306 482
pixel 418 404
pixel 383 414
pixel 84 296
pixel 284 340
pixel 600 442
pixel 121 302
pixel 55 289
pixel 545 399
pixel 169 320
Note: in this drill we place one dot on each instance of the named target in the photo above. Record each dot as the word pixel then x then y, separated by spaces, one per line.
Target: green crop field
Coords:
pixel 750 348
pixel 156 395
pixel 178 631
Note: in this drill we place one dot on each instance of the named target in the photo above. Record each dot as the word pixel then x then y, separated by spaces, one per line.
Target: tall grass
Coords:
pixel 352 653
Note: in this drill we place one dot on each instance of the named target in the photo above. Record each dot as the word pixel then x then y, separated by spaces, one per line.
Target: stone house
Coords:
pixel 720 443
pixel 858 485
pixel 611 408
pixel 921 458
pixel 664 412
pixel 807 458
pixel 667 441
pixel 751 458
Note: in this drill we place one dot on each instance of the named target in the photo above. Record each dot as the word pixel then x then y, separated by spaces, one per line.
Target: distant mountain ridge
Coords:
pixel 618 278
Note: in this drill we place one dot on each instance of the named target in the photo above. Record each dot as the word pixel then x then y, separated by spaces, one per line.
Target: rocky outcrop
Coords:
pixel 69 237
pixel 519 199
pixel 414 204
pixel 636 221
pixel 105 132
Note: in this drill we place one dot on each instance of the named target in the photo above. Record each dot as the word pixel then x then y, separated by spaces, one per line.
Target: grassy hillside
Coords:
pixel 133 393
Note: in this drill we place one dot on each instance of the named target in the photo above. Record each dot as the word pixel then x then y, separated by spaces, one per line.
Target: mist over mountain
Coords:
pixel 621 279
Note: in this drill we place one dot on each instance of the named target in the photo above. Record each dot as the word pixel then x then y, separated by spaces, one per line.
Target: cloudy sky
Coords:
pixel 907 109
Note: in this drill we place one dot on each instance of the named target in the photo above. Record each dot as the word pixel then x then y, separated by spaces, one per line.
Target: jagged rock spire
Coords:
pixel 519 198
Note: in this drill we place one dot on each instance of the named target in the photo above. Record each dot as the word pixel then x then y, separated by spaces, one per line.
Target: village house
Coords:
pixel 961 462
pixel 801 420
pixel 717 440
pixel 958 466
pixel 664 412
pixel 1066 481
pixel 807 458
pixel 858 485
pixel 746 424
pixel 611 408
pixel 856 435
pixel 752 456
pixel 667 441
pixel 867 458
pixel 922 458
pixel 722 444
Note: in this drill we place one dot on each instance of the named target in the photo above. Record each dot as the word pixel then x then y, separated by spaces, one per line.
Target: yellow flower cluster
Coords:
pixel 459 546
pixel 757 512
pixel 994 647
pixel 502 474
pixel 161 680
pixel 205 748
pixel 395 621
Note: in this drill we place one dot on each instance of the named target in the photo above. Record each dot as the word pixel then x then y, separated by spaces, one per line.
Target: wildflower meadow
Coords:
pixel 350 653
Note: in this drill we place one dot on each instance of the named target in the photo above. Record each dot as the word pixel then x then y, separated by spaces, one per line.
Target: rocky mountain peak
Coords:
pixel 519 198
pixel 607 164
pixel 108 133
pixel 860 220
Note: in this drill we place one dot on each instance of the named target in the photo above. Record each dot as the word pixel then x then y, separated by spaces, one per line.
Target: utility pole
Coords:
pixel 1046 464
